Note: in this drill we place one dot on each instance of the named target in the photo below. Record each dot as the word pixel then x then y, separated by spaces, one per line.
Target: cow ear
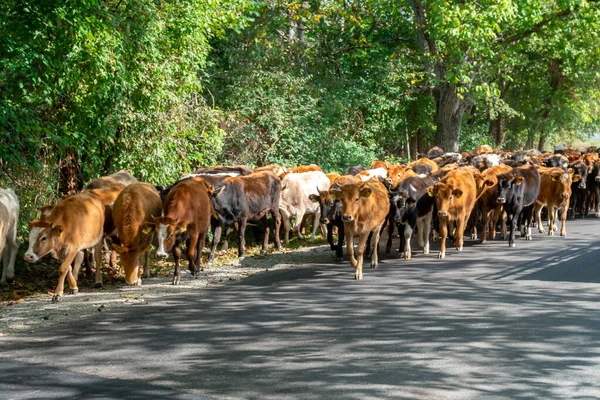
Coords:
pixel 555 177
pixel 488 182
pixel 182 227
pixel 118 248
pixel 147 227
pixel 57 230
pixel 570 170
pixel 457 193
pixel 519 180
pixel 431 191
pixel 576 178
pixel 366 192
pixel 314 198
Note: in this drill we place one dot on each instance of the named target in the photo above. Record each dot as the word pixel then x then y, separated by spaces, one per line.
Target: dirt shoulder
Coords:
pixel 36 311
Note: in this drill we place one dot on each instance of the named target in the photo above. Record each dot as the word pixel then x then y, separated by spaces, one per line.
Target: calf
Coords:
pixel 295 201
pixel 74 224
pixel 555 193
pixel 414 208
pixel 455 197
pixel 132 212
pixel 331 215
pixel 518 190
pixel 9 219
pixel 246 198
pixel 556 161
pixel 365 207
pixel 487 194
pixel 118 178
pixel 395 174
pixel 578 188
pixel 186 217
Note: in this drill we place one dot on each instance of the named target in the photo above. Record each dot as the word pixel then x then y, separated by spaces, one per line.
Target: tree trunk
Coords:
pixel 450 110
pixel 530 139
pixel 497 130
pixel 413 146
pixel 70 173
pixel 542 142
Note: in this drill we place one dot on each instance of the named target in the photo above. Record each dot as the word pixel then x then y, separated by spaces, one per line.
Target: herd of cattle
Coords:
pixel 449 193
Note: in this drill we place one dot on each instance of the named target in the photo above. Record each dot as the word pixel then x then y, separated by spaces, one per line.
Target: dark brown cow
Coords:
pixel 74 224
pixel 487 194
pixel 246 198
pixel 555 193
pixel 365 208
pixel 186 217
pixel 455 197
pixel 132 211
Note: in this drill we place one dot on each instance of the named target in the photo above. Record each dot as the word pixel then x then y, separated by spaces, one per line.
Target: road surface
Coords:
pixel 489 323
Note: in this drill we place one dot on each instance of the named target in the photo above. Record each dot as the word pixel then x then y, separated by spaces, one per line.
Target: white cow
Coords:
pixel 295 191
pixel 379 173
pixel 9 217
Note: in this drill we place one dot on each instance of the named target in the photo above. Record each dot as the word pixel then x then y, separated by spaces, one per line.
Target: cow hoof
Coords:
pixel 421 244
pixel 550 233
pixel 373 265
pixel 56 298
pixel 401 255
pixel 74 291
pixel 473 237
pixel 425 251
pixel 98 285
pixel 176 281
pixel 339 259
pixel 441 255
pixel 459 248
pixel 358 277
pixel 512 245
pixel 482 241
pixel 563 234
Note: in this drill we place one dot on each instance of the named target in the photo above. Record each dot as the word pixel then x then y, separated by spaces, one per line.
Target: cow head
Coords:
pixel 580 173
pixel 506 186
pixel 444 195
pixel 350 195
pixel 131 254
pixel 394 176
pixel 43 238
pixel 328 205
pixel 167 231
pixel 562 181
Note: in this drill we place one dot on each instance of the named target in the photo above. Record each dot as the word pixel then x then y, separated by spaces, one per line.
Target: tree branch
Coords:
pixel 539 26
pixel 368 46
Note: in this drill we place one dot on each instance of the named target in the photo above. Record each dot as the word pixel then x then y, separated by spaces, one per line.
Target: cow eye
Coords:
pixel 358 198
pixel 43 239
pixel 170 236
pixel 331 203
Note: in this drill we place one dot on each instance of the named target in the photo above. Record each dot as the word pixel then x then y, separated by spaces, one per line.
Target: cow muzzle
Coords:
pixel 442 213
pixel 564 195
pixel 501 200
pixel 161 255
pixel 30 257
pixel 347 218
pixel 582 185
pixel 324 220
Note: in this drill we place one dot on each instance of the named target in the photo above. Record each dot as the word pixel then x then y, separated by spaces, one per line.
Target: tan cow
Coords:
pixel 132 212
pixel 455 197
pixel 487 194
pixel 555 193
pixel 74 224
pixel 9 246
pixel 365 208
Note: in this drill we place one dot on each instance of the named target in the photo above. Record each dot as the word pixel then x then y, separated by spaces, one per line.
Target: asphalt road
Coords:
pixel 489 323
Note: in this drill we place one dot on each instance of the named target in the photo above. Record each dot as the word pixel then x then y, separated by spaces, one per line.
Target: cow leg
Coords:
pixel 339 250
pixel 191 253
pixel 9 255
pixel 298 225
pixel 77 264
pixel 408 230
pixel 485 215
pixel 146 269
pixel 286 226
pixel 367 252
pixel 390 232
pixel 402 247
pixel 98 261
pixel 360 255
pixel 443 235
pixel 538 217
pixel 350 248
pixel 277 217
pixel 242 237
pixel 330 236
pixel 459 233
pixel 528 218
pixel 513 219
pixel 177 258
pixel 316 219
pixel 563 220
pixel 216 239
pixel 426 223
pixel 265 246
pixel 63 271
pixel 375 256
pixel 551 218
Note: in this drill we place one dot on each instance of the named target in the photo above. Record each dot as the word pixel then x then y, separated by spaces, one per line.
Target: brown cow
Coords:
pixel 424 166
pixel 186 215
pixel 455 197
pixel 332 176
pixel 365 208
pixel 381 164
pixel 122 177
pixel 396 173
pixel 484 148
pixel 132 211
pixel 75 223
pixel 555 193
pixel 487 193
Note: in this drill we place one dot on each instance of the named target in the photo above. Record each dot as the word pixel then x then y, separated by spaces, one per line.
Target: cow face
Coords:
pixel 507 183
pixel 131 255
pixel 445 195
pixel 400 200
pixel 167 230
pixel 328 205
pixel 43 237
pixel 580 173
pixel 350 195
pixel 395 174
pixel 562 181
